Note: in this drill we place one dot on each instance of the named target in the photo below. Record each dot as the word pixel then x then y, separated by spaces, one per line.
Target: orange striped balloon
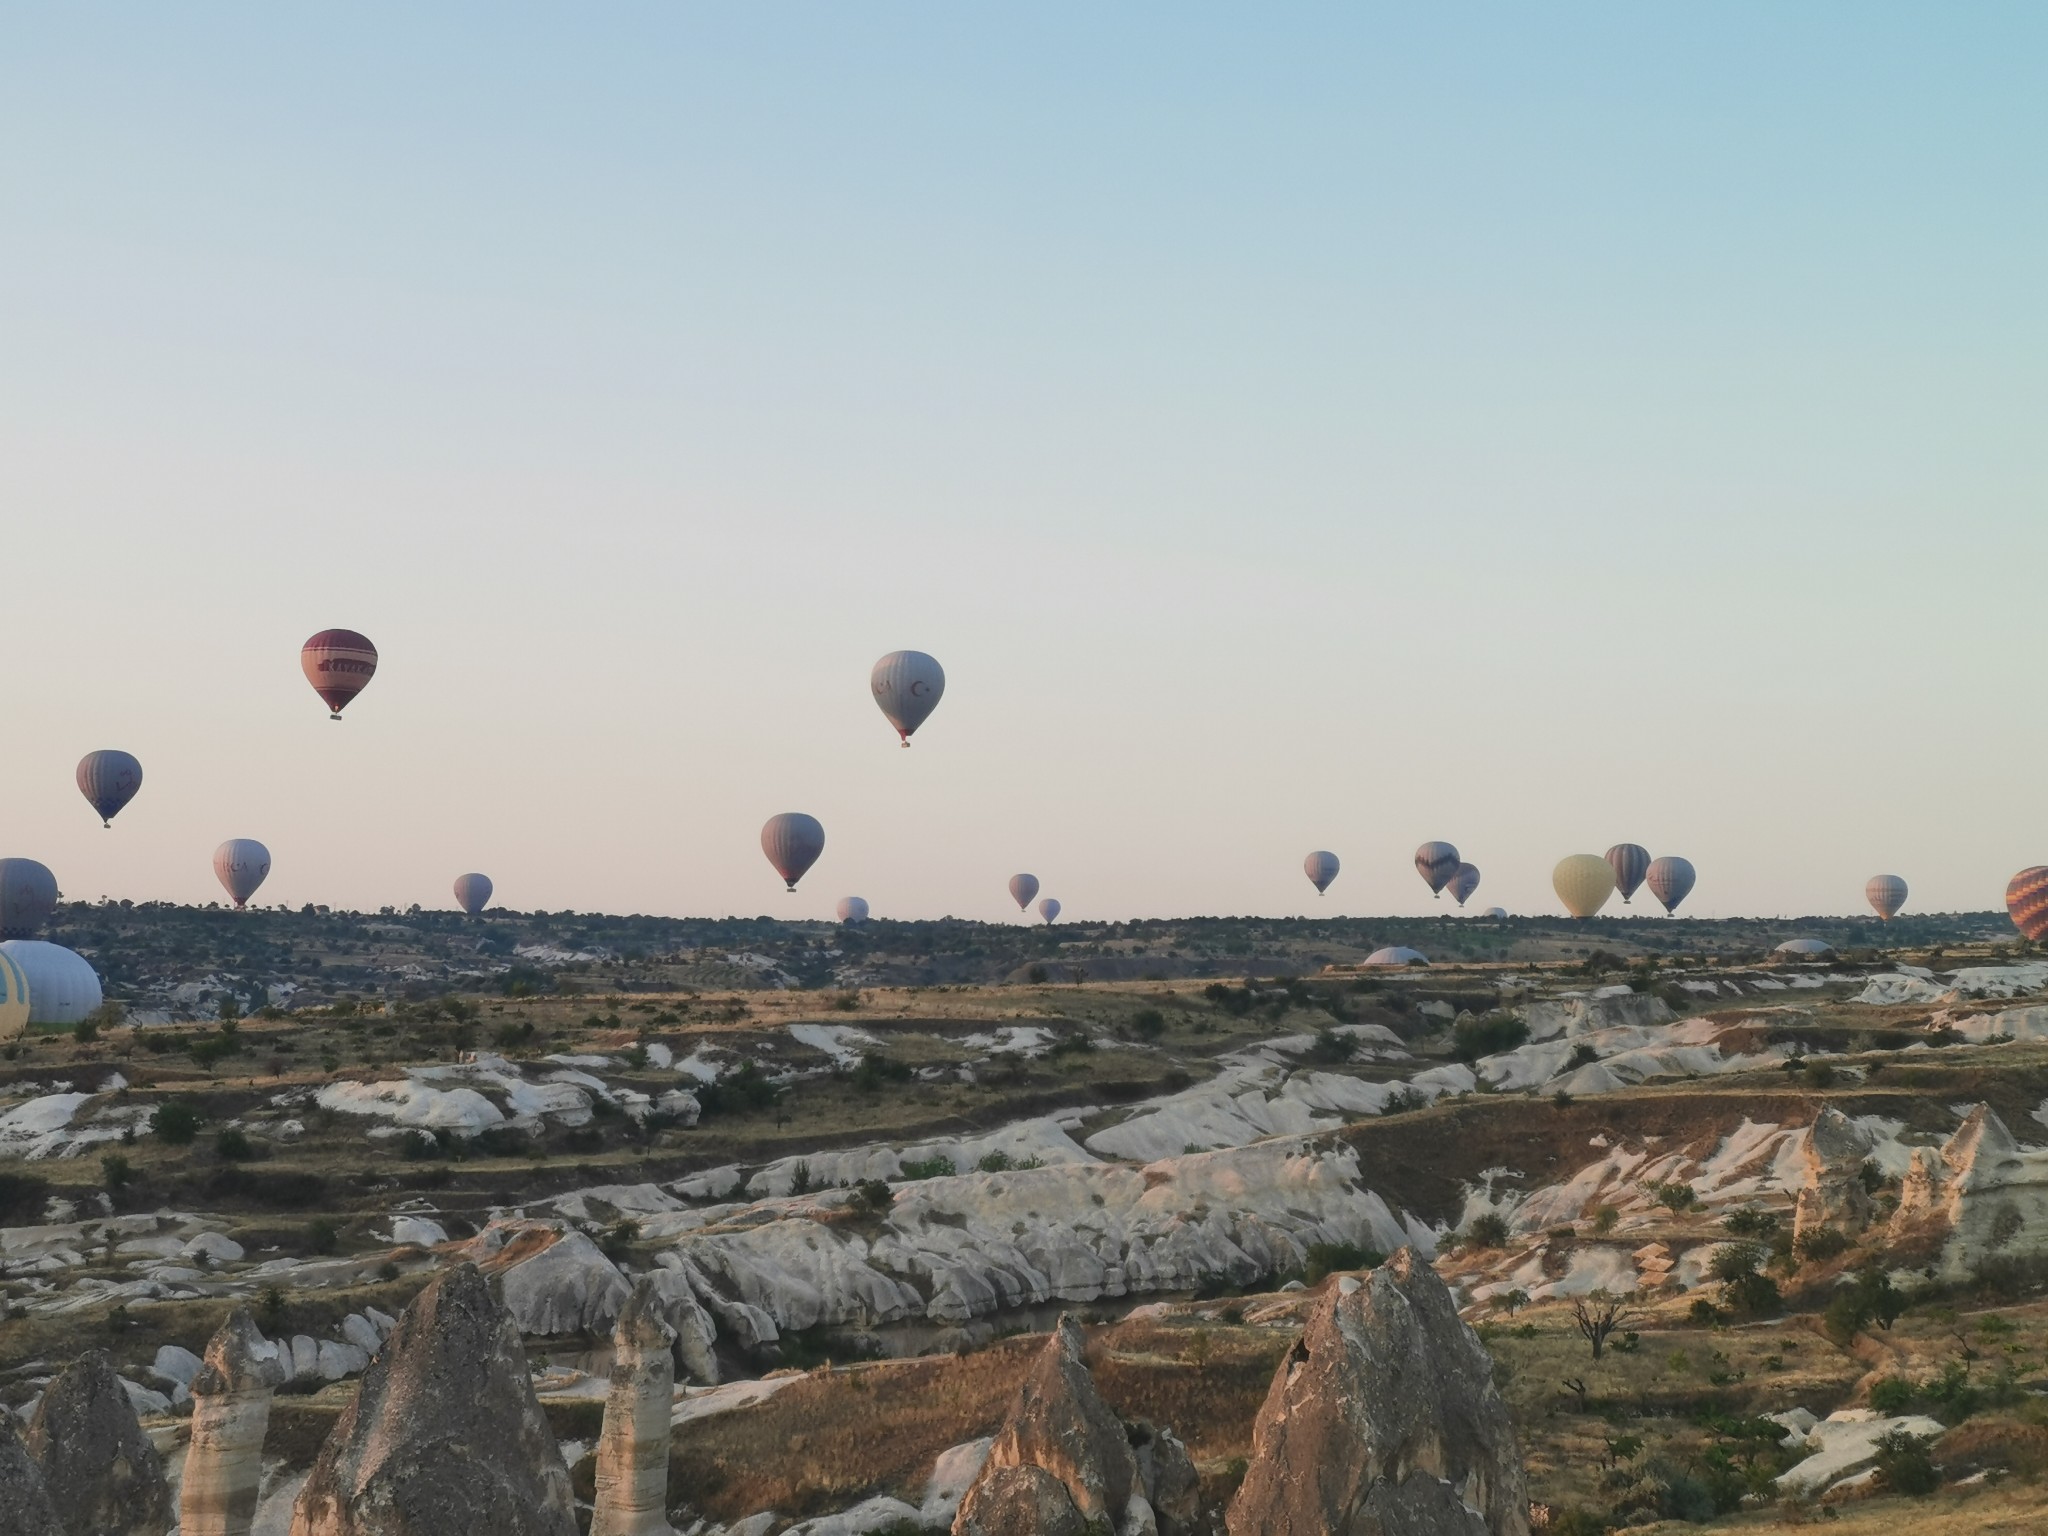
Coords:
pixel 339 663
pixel 2026 898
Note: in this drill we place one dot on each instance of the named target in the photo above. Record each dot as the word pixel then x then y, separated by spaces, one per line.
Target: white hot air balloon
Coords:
pixel 1022 889
pixel 1886 894
pixel 63 988
pixel 1049 909
pixel 908 686
pixel 1321 869
pixel 852 910
pixel 241 864
pixel 473 893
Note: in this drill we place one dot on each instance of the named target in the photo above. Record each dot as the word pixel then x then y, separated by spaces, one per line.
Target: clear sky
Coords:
pixel 1292 427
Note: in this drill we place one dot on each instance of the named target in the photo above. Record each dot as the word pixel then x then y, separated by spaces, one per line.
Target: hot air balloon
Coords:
pixel 1022 889
pixel 1321 867
pixel 1463 882
pixel 1436 863
pixel 1886 894
pixel 339 663
pixel 473 893
pixel 1630 862
pixel 2026 898
pixel 62 985
pixel 852 910
pixel 792 842
pixel 1495 912
pixel 240 864
pixel 13 999
pixel 1804 949
pixel 1670 881
pixel 1396 954
pixel 109 780
pixel 908 686
pixel 1583 883
pixel 28 895
pixel 1049 909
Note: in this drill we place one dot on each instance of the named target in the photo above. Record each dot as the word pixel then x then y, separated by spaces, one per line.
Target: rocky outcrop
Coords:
pixel 444 1434
pixel 230 1413
pixel 1172 1485
pixel 25 1507
pixel 1832 1196
pixel 1581 1015
pixel 98 1467
pixel 1384 1419
pixel 1982 1197
pixel 632 1451
pixel 1019 1501
pixel 551 1277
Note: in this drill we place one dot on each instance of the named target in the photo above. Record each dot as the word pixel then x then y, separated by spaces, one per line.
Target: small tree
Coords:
pixel 1489 1229
pixel 1596 1315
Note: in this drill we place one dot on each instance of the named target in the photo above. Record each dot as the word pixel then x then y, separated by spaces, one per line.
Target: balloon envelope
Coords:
pixel 1495 912
pixel 108 779
pixel 339 663
pixel 2026 898
pixel 28 895
pixel 13 999
pixel 63 988
pixel 1670 880
pixel 1022 889
pixel 908 686
pixel 852 909
pixel 473 892
pixel 1811 948
pixel 1436 863
pixel 1886 894
pixel 1583 883
pixel 1630 862
pixel 1321 868
pixel 240 864
pixel 1049 909
pixel 1396 954
pixel 792 842
pixel 1463 882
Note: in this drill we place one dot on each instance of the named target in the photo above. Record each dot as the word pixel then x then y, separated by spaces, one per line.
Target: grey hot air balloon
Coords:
pixel 28 895
pixel 908 686
pixel 1436 863
pixel 1321 867
pixel 1049 909
pixel 240 864
pixel 1022 889
pixel 473 892
pixel 108 779
pixel 1463 882
pixel 792 842
pixel 1886 894
pixel 852 910
pixel 1630 862
pixel 1670 880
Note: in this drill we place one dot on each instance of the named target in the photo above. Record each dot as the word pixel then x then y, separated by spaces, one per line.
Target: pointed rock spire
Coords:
pixel 25 1507
pixel 98 1467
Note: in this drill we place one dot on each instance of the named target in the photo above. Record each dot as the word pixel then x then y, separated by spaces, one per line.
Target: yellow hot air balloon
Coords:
pixel 1583 883
pixel 13 998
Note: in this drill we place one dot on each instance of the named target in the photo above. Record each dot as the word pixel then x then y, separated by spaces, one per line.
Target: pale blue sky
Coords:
pixel 1292 427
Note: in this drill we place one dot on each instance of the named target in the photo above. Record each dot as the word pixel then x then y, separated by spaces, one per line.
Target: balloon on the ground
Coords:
pixel 1463 882
pixel 473 892
pixel 13 999
pixel 2026 898
pixel 63 988
pixel 108 779
pixel 241 864
pixel 1670 880
pixel 1436 863
pixel 1630 862
pixel 1049 909
pixel 1583 883
pixel 1396 954
pixel 1811 949
pixel 852 910
pixel 1886 894
pixel 28 895
pixel 1022 889
pixel 1495 912
pixel 792 842
pixel 908 686
pixel 339 663
pixel 1321 868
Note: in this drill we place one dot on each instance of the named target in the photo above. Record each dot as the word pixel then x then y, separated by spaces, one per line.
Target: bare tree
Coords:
pixel 1596 1315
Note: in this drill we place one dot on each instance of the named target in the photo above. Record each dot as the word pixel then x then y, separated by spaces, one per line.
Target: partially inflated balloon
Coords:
pixel 792 842
pixel 28 895
pixel 473 892
pixel 1049 909
pixel 908 686
pixel 1464 881
pixel 13 998
pixel 240 864
pixel 339 663
pixel 2026 898
pixel 1670 881
pixel 108 779
pixel 1436 863
pixel 1321 867
pixel 1630 862
pixel 1583 883
pixel 852 910
pixel 1022 889
pixel 1886 894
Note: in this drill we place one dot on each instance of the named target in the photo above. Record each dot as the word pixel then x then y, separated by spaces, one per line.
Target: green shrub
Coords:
pixel 1489 1229
pixel 233 1144
pixel 939 1166
pixel 176 1121
pixel 1325 1259
pixel 1904 1464
pixel 1488 1036
pixel 1148 1023
pixel 1820 1245
pixel 1892 1396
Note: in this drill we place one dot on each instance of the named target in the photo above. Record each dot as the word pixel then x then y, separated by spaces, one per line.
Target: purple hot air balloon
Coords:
pixel 853 911
pixel 1436 863
pixel 1463 882
pixel 1670 880
pixel 1630 862
pixel 1049 909
pixel 1321 868
pixel 28 895
pixel 108 779
pixel 1022 889
pixel 792 842
pixel 473 892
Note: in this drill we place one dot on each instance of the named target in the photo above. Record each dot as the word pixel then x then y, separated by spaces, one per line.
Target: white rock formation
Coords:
pixel 1984 1196
pixel 632 1451
pixel 551 1278
pixel 230 1414
pixel 1831 1195
pixel 1845 1441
